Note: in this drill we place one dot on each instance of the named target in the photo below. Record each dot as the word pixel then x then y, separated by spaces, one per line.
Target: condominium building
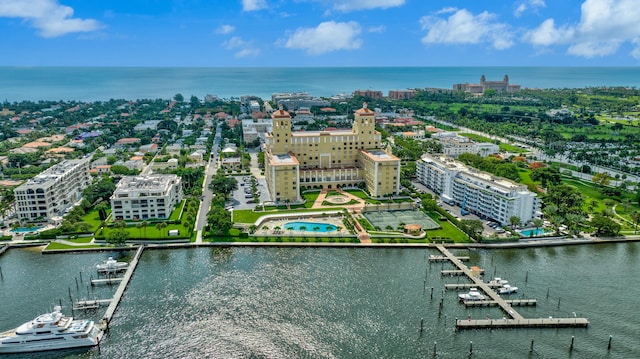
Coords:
pixel 454 145
pixel 145 197
pixel 53 191
pixel 328 159
pixel 477 192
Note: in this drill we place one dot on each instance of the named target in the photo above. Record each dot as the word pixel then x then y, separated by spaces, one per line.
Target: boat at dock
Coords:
pixel 498 281
pixel 507 289
pixel 50 331
pixel 111 265
pixel 472 295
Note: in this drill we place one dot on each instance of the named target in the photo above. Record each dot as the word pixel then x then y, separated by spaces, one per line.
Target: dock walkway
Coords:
pixel 117 297
pixel 516 320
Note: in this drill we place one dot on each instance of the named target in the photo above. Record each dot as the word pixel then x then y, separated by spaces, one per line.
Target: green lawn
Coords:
pixel 448 231
pixel 152 232
pixel 249 216
pixel 93 218
pixel 175 215
pixel 590 193
pixel 58 246
pixel 360 194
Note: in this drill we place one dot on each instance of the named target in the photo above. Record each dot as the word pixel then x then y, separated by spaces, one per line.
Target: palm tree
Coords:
pixel 252 228
pixel 276 229
pixel 537 222
pixel 635 217
pixel 515 221
pixel 144 227
pixel 160 226
pixel 303 228
pixel 139 225
pixel 316 228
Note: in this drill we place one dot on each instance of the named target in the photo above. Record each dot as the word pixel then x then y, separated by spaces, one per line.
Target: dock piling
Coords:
pixel 531 347
pixel 80 277
pixel 1 276
pixel 421 324
pixel 609 345
pixel 77 286
pixel 526 277
pixel 559 298
pixel 470 348
pixel 431 293
pixel 571 347
pixel 435 349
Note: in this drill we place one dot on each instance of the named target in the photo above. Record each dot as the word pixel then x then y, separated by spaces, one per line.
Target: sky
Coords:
pixel 303 33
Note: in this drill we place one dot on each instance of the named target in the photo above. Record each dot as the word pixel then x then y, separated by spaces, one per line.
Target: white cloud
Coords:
pixel 253 5
pixel 326 37
pixel 547 34
pixel 225 29
pixel 377 29
pixel 463 27
pixel 528 4
pixel 604 26
pixel 50 18
pixel 354 5
pixel 241 47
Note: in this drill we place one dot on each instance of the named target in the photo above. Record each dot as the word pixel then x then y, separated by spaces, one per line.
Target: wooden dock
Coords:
pixel 493 303
pixel 117 297
pixel 516 320
pixel 452 272
pixel 463 286
pixel 90 304
pixel 521 323
pixel 433 258
pixel 106 281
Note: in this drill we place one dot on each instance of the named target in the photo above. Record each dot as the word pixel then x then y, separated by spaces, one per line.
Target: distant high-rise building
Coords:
pixel 484 85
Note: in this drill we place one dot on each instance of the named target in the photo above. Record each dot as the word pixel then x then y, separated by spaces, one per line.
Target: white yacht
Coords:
pixel 48 332
pixel 473 294
pixel 497 281
pixel 507 289
pixel 111 265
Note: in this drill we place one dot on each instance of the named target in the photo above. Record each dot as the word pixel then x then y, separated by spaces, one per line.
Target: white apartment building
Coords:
pixel 478 192
pixel 145 197
pixel 454 145
pixel 53 191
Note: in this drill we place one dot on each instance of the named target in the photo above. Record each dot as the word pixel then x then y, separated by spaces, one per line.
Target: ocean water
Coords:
pixel 104 83
pixel 244 302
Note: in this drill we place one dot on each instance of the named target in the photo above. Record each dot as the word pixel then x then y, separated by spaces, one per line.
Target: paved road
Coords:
pixel 209 171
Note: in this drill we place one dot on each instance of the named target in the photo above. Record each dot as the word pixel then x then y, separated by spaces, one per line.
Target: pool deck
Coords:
pixel 281 222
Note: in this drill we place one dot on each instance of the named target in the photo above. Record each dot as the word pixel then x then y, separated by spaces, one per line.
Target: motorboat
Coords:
pixel 111 265
pixel 49 332
pixel 473 294
pixel 507 289
pixel 497 281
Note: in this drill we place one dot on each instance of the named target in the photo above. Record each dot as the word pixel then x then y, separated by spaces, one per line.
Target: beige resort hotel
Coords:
pixel 295 161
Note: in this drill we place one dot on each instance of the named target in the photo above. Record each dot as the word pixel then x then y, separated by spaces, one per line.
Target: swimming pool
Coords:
pixel 532 232
pixel 25 229
pixel 310 226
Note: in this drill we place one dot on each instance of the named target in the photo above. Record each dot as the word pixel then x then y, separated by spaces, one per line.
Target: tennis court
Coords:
pixel 382 219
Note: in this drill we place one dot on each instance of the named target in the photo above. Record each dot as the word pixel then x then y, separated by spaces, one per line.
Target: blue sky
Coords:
pixel 267 33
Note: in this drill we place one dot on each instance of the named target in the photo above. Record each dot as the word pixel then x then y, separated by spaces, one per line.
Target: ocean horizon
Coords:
pixel 21 83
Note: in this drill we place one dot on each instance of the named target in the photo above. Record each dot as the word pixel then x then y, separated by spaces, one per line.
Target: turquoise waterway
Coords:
pixel 334 303
pixel 104 83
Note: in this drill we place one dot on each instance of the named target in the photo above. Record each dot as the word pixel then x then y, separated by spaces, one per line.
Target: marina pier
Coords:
pixel 117 297
pixel 516 320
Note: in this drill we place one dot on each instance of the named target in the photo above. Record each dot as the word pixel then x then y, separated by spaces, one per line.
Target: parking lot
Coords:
pixel 240 199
